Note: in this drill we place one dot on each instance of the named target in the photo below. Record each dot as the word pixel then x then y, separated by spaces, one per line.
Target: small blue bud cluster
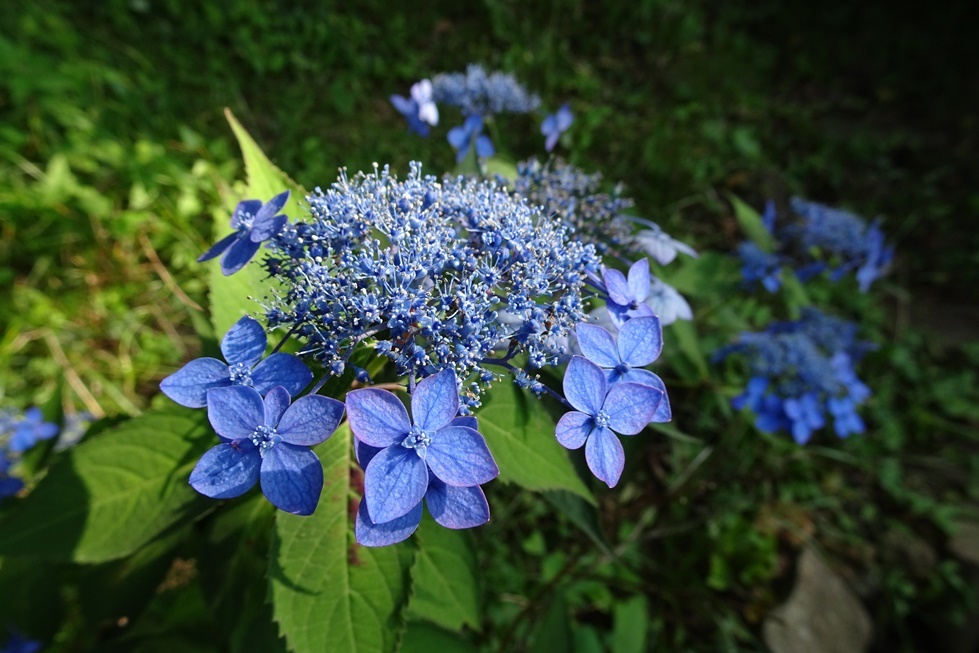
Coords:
pixel 431 274
pixel 18 433
pixel 478 93
pixel 800 371
pixel 814 239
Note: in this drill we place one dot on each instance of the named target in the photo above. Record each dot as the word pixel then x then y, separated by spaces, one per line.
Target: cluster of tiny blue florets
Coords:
pixel 813 239
pixel 432 274
pixel 18 433
pixel 478 93
pixel 802 372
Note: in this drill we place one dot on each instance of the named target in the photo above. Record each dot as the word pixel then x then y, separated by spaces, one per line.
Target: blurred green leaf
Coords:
pixel 630 624
pixel 422 637
pixel 444 584
pixel 751 224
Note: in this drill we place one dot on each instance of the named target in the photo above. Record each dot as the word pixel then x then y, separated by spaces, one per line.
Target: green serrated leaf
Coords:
pixel 229 296
pixel 751 223
pixel 328 593
pixel 520 433
pixel 114 492
pixel 444 589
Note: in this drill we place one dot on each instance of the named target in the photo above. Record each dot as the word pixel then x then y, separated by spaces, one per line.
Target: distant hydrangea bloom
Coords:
pixel 30 429
pixel 556 124
pixel 266 441
pixel 243 347
pixel 419 109
pixel 469 134
pixel 17 643
pixel 477 93
pixel 9 485
pixel 800 371
pixel 638 344
pixel 431 455
pixel 600 412
pixel 659 245
pixel 253 223
pixel 574 196
pixel 423 271
pixel 759 266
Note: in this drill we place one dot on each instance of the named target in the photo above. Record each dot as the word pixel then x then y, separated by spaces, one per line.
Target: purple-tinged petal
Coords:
pixel 474 124
pixel 484 147
pixel 631 407
pixel 265 229
pixel 617 286
pixel 564 117
pixel 458 138
pixel 244 342
pixel 639 280
pixel 549 126
pixel 397 530
pixel 219 247
pixel 22 439
pixel 404 106
pixel 281 369
pixel 236 411
pixel 46 431
pixel 459 456
pixel 377 417
pixel 663 412
pixel 573 429
pixel 271 208
pixel 292 478
pixel 188 386
pixel 365 453
pixel 457 507
pixel 238 255
pixel 245 208
pixel 598 345
pixel 435 401
pixel 622 314
pixel 551 141
pixel 394 482
pixel 227 470
pixel 311 420
pixel 466 420
pixel 640 341
pixel 585 385
pixel 605 456
pixel 276 403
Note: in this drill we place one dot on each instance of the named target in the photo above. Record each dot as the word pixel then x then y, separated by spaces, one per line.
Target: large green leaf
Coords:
pixel 443 577
pixel 328 593
pixel 115 492
pixel 230 297
pixel 422 637
pixel 520 433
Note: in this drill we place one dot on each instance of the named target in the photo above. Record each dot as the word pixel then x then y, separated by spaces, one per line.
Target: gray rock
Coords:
pixel 821 615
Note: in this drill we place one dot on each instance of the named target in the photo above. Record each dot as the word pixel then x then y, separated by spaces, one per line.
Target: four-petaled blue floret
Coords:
pixel 624 408
pixel 419 109
pixel 638 344
pixel 470 134
pixel 243 347
pixel 556 124
pixel 431 455
pixel 253 223
pixel 266 441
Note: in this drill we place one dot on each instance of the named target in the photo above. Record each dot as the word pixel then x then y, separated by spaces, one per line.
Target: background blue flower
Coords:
pixel 253 223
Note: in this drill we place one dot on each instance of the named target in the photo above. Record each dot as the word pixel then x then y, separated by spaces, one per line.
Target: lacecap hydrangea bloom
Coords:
pixel 478 93
pixel 430 274
pixel 800 372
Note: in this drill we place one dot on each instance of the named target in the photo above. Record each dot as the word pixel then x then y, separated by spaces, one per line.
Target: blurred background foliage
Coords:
pixel 114 156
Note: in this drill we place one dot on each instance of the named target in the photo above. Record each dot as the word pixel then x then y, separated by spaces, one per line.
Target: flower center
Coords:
pixel 418 439
pixel 633 305
pixel 240 374
pixel 265 437
pixel 602 418
pixel 623 368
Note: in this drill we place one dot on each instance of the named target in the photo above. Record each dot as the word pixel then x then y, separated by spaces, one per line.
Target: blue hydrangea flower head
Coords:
pixel 253 223
pixel 30 429
pixel 266 441
pixel 600 412
pixel 419 109
pixel 243 347
pixel 556 124
pixel 637 344
pixel 412 450
pixel 477 93
pixel 759 266
pixel 469 134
